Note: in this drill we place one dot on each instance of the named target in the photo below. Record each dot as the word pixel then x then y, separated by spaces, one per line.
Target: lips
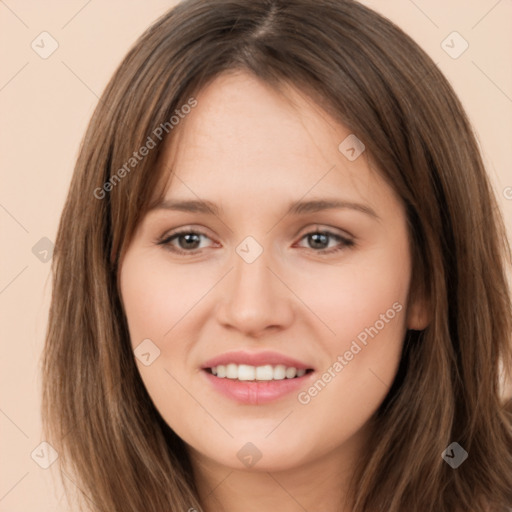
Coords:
pixel 240 368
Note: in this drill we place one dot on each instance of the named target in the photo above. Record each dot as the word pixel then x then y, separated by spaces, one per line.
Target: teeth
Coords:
pixel 244 372
pixel 231 371
pixel 290 372
pixel 280 372
pixel 247 372
pixel 264 372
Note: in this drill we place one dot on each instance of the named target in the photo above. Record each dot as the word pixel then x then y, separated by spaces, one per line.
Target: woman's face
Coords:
pixel 263 287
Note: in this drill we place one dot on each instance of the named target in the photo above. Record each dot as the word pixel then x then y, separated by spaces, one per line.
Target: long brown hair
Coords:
pixel 367 73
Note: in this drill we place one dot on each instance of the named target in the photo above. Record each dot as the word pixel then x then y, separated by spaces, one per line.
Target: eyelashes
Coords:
pixel 315 237
pixel 167 241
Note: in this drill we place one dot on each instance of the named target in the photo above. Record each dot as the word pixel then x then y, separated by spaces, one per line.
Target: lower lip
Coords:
pixel 256 393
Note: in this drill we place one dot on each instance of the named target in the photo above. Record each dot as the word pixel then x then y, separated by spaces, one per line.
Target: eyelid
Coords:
pixel 183 229
pixel 324 228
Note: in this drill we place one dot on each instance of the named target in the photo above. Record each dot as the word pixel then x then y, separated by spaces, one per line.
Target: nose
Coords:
pixel 255 298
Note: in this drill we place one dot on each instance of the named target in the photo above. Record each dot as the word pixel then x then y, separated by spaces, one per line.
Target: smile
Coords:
pixel 245 372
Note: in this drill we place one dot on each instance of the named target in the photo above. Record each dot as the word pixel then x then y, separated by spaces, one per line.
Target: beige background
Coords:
pixel 45 105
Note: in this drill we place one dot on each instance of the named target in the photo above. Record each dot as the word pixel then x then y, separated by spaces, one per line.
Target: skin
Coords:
pixel 251 151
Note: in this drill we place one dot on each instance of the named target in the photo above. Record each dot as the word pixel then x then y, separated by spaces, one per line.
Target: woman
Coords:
pixel 259 369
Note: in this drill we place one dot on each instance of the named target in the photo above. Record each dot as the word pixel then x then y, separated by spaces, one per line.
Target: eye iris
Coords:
pixel 188 237
pixel 320 238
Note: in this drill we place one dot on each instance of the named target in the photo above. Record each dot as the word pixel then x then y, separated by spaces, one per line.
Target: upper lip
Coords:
pixel 255 359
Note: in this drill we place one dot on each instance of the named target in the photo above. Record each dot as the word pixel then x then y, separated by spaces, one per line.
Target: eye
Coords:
pixel 187 239
pixel 319 241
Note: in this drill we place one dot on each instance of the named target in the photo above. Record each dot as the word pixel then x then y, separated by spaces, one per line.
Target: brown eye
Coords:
pixel 188 241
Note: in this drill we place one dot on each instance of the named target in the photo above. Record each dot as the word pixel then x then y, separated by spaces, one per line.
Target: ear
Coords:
pixel 418 313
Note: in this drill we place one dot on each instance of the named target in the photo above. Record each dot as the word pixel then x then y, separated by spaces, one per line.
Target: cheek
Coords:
pixel 353 296
pixel 364 304
pixel 156 300
pixel 156 296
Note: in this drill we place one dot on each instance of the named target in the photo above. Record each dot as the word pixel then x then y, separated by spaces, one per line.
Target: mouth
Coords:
pixel 257 385
pixel 264 373
pixel 256 378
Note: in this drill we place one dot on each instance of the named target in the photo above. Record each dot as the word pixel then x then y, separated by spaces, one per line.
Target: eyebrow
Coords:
pixel 295 208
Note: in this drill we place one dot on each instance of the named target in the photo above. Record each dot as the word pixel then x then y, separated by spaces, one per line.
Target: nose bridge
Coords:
pixel 255 299
pixel 251 270
pixel 252 280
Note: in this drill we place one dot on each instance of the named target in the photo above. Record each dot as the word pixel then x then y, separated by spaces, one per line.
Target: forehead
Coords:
pixel 246 139
pixel 241 118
